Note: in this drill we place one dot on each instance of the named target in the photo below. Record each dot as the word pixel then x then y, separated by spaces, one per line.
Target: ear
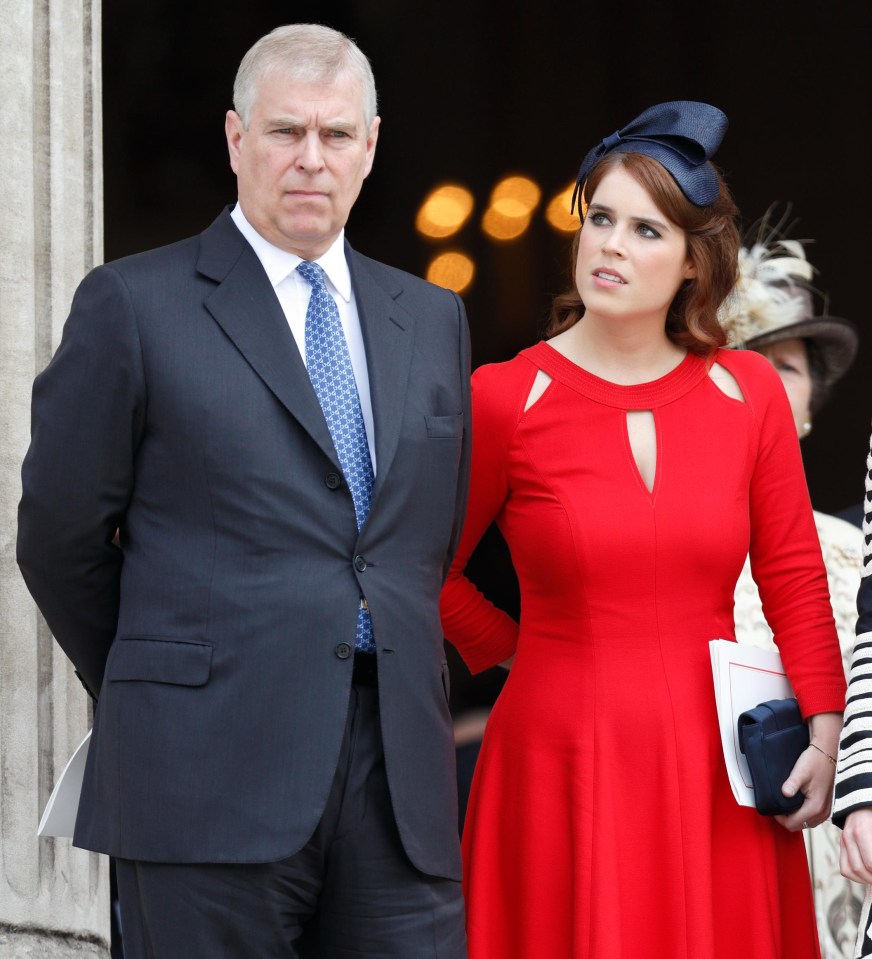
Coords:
pixel 371 140
pixel 234 131
pixel 689 270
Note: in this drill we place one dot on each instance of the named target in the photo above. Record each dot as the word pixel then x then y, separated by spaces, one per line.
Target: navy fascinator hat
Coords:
pixel 681 136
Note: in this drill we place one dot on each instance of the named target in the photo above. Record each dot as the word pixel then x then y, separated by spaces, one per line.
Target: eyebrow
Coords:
pixel 602 208
pixel 346 126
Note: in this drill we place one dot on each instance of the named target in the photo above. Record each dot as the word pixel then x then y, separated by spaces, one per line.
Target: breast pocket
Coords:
pixel 444 427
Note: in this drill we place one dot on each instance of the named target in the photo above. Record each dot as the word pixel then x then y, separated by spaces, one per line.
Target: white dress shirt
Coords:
pixel 293 292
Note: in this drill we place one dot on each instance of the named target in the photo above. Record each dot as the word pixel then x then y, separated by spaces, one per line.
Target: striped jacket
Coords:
pixel 854 771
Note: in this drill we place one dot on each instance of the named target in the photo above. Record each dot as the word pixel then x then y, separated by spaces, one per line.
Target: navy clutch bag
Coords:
pixel 772 736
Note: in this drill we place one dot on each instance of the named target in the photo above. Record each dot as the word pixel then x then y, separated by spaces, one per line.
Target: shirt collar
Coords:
pixel 279 264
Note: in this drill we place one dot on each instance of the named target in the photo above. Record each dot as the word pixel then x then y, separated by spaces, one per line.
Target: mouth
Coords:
pixel 608 276
pixel 306 194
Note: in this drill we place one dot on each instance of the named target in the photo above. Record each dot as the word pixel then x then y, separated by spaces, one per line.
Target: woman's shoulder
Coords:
pixel 504 379
pixel 500 389
pixel 757 377
pixel 747 362
pixel 504 371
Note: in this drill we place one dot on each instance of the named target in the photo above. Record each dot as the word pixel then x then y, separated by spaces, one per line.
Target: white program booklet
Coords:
pixel 744 676
pixel 59 817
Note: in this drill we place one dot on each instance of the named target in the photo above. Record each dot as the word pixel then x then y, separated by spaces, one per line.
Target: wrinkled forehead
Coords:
pixel 288 82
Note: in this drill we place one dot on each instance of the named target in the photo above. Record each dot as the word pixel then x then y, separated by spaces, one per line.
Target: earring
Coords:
pixel 806 429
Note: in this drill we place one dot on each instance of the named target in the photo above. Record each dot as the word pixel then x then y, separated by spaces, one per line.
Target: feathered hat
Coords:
pixel 772 301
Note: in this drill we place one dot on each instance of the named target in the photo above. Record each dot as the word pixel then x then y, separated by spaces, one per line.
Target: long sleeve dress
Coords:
pixel 854 772
pixel 601 824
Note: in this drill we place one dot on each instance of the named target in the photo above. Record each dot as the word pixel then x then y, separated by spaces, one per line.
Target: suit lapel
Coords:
pixel 245 306
pixel 388 334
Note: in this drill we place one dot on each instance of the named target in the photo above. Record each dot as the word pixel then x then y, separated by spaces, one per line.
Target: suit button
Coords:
pixel 333 480
pixel 359 563
pixel 343 651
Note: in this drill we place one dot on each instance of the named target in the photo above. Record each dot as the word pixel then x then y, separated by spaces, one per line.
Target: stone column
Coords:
pixel 53 898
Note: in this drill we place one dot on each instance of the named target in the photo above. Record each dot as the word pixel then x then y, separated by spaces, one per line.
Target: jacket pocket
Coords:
pixel 446 427
pixel 179 662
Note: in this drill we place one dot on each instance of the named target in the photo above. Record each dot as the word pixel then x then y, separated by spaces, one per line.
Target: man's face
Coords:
pixel 302 161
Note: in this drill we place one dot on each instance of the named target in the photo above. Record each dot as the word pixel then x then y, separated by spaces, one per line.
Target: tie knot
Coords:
pixel 311 272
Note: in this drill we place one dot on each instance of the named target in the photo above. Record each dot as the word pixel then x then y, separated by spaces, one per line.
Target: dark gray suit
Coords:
pixel 178 410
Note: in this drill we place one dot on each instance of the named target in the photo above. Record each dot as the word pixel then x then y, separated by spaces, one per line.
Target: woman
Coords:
pixel 771 312
pixel 852 807
pixel 629 462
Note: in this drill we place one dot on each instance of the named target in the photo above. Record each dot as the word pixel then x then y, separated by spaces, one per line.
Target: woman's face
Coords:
pixel 631 259
pixel 790 358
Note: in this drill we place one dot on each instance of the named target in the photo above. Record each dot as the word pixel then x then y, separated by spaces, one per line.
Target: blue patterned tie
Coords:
pixel 329 364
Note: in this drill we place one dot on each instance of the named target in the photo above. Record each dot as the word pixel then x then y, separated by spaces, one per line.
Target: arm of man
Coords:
pixel 87 421
pixel 466 449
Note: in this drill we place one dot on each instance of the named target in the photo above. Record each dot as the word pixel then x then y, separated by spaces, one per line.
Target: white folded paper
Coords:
pixel 59 817
pixel 744 676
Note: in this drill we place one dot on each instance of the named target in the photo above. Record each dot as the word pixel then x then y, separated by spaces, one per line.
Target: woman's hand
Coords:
pixel 814 773
pixel 855 858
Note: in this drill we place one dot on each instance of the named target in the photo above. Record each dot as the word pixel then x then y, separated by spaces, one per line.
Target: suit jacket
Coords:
pixel 219 636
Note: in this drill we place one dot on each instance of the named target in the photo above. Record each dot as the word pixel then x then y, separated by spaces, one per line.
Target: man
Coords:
pixel 277 427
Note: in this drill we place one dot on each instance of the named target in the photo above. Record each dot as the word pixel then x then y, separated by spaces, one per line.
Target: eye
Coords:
pixel 643 229
pixel 599 219
pixel 785 366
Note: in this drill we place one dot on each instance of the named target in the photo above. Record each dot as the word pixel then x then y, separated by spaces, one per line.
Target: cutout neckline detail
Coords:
pixel 641 396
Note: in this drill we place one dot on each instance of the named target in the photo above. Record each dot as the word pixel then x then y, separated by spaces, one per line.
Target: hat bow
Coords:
pixel 681 136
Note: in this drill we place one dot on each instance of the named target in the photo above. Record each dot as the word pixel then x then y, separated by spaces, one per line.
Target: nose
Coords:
pixel 310 159
pixel 614 241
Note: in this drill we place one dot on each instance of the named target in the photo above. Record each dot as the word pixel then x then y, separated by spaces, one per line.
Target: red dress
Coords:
pixel 601 824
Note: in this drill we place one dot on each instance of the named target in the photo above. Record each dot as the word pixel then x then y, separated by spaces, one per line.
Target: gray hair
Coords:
pixel 307 53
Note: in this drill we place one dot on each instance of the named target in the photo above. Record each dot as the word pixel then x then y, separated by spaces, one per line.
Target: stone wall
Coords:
pixel 53 898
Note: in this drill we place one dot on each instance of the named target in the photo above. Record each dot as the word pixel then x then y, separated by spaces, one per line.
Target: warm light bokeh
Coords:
pixel 498 226
pixel 557 212
pixel 512 203
pixel 453 270
pixel 444 211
